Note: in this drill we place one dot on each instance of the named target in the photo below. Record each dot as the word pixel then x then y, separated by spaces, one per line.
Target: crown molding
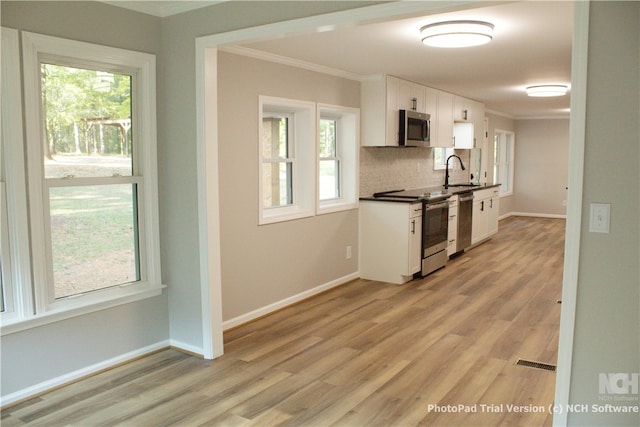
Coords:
pixel 284 60
pixel 162 8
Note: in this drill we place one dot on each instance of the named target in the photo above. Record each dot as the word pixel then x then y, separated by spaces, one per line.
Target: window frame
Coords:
pixel 506 180
pixel 347 152
pixel 447 152
pixel 302 142
pixel 18 288
pixel 37 49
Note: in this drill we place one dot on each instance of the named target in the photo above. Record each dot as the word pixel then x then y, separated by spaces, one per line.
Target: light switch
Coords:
pixel 599 217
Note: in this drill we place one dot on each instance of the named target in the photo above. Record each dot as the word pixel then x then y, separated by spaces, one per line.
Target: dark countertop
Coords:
pixel 429 193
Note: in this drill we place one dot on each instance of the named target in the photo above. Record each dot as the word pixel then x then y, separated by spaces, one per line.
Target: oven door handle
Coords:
pixel 431 206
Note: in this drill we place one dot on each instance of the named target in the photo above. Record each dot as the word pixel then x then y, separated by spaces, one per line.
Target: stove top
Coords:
pixel 414 194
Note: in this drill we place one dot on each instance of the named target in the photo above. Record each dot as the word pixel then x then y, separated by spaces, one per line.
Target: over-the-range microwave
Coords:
pixel 414 129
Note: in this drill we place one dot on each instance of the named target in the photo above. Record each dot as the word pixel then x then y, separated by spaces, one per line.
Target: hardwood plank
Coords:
pixel 365 353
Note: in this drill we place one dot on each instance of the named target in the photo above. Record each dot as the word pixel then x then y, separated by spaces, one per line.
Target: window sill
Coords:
pixel 337 206
pixel 283 214
pixel 23 324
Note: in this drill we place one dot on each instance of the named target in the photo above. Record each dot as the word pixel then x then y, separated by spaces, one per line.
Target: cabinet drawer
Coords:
pixel 416 210
pixel 453 213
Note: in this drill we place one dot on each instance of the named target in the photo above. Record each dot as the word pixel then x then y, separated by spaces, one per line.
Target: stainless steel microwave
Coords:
pixel 414 129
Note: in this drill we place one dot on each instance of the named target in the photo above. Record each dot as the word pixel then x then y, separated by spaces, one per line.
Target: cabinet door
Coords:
pixel 453 229
pixel 493 215
pixel 477 118
pixel 461 109
pixel 445 120
pixel 463 135
pixel 415 245
pixel 479 224
pixel 411 96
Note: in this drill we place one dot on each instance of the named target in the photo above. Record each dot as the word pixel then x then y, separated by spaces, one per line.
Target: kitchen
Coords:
pixel 541 178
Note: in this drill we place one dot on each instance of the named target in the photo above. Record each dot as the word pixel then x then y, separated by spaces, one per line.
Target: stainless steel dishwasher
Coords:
pixel 465 212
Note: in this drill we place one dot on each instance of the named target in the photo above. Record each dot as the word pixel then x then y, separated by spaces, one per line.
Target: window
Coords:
pixel 503 156
pixel 287 159
pixel 440 156
pixel 329 167
pixel 338 144
pixel 278 159
pixel 90 140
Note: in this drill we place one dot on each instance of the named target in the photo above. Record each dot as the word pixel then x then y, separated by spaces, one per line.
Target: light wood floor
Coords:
pixel 363 354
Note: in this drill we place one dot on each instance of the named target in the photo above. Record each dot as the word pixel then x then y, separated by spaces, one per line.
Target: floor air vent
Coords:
pixel 537 365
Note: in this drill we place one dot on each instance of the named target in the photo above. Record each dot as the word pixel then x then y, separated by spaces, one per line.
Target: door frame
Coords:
pixel 208 179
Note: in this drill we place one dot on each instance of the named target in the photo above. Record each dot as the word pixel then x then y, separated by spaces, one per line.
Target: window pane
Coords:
pixel 93 237
pixel 276 138
pixel 87 122
pixel 327 138
pixel 277 184
pixel 329 179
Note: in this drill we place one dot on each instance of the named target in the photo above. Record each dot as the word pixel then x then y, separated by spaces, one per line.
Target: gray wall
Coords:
pixel 40 354
pixel 177 146
pixel 541 166
pixel 607 313
pixel 265 264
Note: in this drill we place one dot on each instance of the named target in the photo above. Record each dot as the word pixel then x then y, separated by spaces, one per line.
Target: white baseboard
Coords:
pixel 48 385
pixel 538 215
pixel 252 315
pixel 187 348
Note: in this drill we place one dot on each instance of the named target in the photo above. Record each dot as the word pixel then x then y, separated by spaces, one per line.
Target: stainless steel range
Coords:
pixel 435 224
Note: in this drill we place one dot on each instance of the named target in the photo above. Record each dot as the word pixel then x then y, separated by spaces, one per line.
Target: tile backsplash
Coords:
pixel 391 168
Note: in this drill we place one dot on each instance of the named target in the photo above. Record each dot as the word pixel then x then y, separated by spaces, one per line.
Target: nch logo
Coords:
pixel 618 383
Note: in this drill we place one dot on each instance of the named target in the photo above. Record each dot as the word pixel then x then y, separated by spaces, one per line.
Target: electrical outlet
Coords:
pixel 599 217
pixel 564 203
pixel 348 254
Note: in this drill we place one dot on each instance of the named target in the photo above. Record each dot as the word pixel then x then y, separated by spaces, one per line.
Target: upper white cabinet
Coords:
pixel 409 95
pixel 443 120
pixel 382 97
pixel 468 116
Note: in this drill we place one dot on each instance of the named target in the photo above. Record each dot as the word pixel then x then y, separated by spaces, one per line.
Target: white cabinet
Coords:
pixel 380 102
pixel 486 208
pixel 382 97
pixel 390 240
pixel 409 96
pixel 453 225
pixel 494 213
pixel 468 116
pixel 443 121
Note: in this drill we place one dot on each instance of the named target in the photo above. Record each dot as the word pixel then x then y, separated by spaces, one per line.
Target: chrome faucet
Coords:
pixel 446 172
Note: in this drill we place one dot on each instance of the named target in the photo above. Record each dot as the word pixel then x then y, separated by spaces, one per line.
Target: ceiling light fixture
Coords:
pixel 453 34
pixel 547 90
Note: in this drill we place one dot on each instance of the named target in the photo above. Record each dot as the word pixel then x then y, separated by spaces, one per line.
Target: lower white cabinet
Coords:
pixel 453 226
pixel 486 209
pixel 390 240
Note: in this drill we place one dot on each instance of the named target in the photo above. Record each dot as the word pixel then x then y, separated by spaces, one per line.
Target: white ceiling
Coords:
pixel 531 45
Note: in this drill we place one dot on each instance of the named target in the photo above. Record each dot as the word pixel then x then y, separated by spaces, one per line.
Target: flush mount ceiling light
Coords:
pixel 452 34
pixel 547 90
